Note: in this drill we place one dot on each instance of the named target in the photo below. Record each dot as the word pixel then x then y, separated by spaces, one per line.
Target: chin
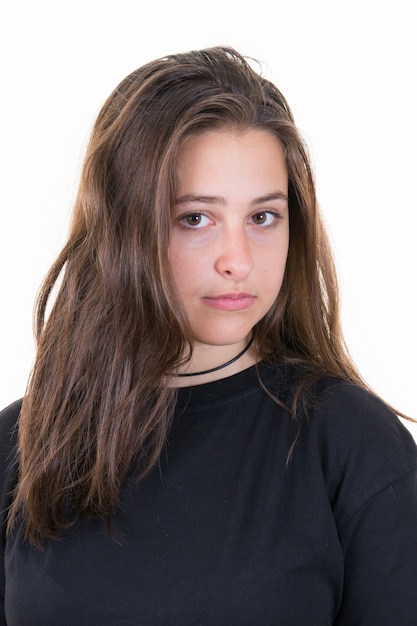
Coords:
pixel 222 339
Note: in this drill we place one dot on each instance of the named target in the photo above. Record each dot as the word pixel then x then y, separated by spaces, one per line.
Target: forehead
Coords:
pixel 224 158
pixel 216 138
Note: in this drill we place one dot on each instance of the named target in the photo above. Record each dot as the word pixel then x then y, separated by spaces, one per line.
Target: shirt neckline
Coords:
pixel 229 385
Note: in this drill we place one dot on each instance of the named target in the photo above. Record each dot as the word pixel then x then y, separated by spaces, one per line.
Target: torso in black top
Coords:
pixel 228 533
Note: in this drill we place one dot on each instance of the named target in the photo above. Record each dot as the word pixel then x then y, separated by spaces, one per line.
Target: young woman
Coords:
pixel 195 446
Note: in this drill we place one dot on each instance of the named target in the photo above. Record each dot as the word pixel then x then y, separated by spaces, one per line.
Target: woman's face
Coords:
pixel 229 239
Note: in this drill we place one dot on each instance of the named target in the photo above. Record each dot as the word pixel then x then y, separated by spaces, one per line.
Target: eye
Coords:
pixel 265 218
pixel 194 220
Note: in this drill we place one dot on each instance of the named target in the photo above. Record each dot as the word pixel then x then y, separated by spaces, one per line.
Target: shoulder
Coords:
pixel 8 422
pixel 356 416
pixel 8 440
pixel 8 458
pixel 362 445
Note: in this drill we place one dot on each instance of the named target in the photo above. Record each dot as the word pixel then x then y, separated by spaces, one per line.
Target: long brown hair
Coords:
pixel 97 400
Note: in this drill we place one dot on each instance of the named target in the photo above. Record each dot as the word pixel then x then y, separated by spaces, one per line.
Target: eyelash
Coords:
pixel 197 214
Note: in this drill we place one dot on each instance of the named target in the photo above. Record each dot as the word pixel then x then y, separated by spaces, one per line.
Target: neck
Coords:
pixel 200 370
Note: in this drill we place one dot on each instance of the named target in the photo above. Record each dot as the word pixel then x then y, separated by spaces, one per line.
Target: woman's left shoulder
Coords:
pixel 347 407
pixel 357 433
pixel 347 411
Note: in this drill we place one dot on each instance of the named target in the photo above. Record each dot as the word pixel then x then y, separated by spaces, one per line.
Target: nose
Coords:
pixel 234 260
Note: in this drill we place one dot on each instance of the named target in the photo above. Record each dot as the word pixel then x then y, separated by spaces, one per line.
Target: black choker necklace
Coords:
pixel 219 367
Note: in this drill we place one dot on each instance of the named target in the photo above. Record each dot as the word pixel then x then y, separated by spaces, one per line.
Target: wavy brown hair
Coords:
pixel 97 400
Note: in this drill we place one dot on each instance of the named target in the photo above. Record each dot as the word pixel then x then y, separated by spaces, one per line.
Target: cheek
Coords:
pixel 274 276
pixel 175 263
pixel 273 261
pixel 185 271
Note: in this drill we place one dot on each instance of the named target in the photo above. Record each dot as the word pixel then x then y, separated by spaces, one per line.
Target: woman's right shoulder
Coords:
pixel 8 421
pixel 8 455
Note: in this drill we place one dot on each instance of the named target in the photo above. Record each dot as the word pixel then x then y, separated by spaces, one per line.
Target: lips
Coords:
pixel 230 301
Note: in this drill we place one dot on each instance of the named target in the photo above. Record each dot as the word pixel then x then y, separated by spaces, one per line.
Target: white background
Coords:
pixel 348 70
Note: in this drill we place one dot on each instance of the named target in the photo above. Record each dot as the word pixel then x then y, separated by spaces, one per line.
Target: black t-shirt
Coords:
pixel 230 531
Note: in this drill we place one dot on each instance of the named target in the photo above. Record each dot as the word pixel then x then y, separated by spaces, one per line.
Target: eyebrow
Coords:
pixel 276 195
